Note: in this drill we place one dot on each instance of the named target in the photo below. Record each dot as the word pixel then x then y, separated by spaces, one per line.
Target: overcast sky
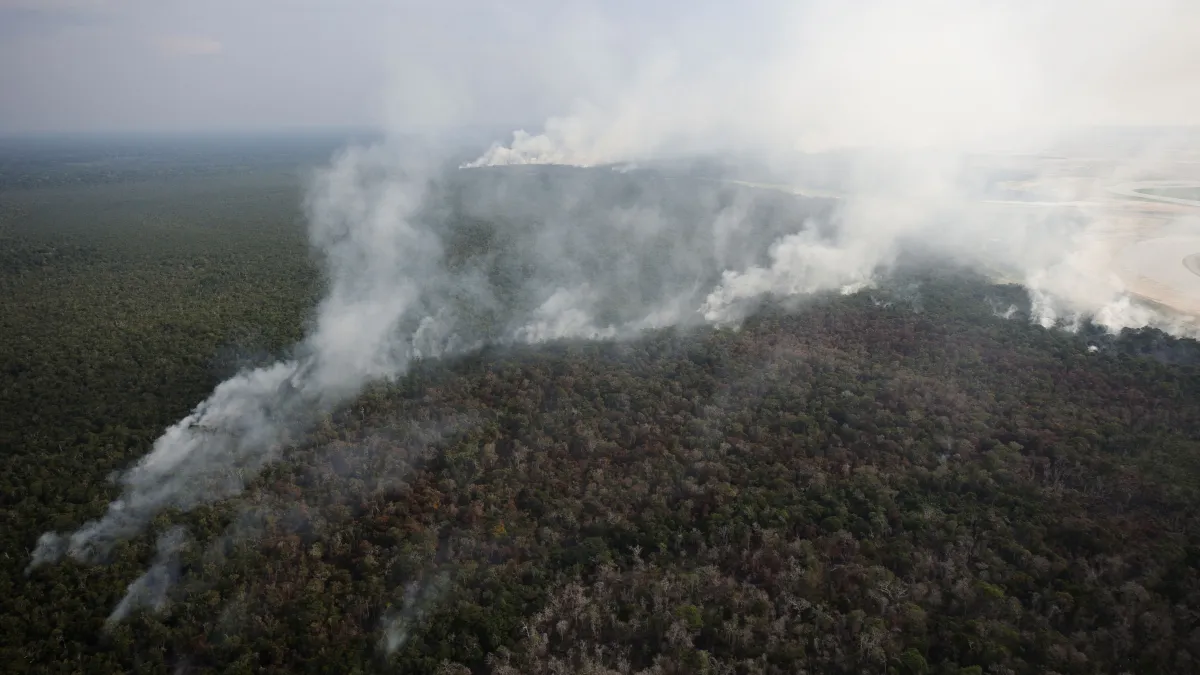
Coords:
pixel 174 65
pixel 70 65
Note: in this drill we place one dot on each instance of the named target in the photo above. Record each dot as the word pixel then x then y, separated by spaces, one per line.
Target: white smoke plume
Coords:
pixel 423 261
pixel 820 75
pixel 361 211
pixel 901 110
pixel 917 90
pixel 419 599
pixel 150 589
pixel 205 457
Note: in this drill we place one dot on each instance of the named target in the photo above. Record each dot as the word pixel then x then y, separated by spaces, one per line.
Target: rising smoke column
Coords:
pixel 913 90
pixel 362 224
pixel 571 255
pixel 150 589
pixel 922 83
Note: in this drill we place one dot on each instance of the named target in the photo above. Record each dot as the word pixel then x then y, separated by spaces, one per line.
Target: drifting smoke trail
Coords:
pixel 419 599
pixel 925 86
pixel 203 458
pixel 150 589
pixel 361 222
pixel 569 253
pixel 412 276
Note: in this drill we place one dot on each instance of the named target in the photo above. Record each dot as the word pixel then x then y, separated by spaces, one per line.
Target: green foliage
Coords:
pixel 991 590
pixel 848 487
pixel 911 661
pixel 691 616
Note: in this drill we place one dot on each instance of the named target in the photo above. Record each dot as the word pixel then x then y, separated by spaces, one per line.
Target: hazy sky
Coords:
pixel 92 65
pixel 171 65
pixel 264 64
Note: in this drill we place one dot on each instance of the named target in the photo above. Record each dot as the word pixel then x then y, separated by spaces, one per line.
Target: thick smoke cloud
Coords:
pixel 205 457
pixel 361 210
pixel 916 92
pixel 422 261
pixel 781 77
pixel 892 106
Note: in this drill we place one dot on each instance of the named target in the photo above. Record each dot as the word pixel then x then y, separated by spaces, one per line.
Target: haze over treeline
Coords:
pixel 910 92
pixel 877 131
pixel 898 477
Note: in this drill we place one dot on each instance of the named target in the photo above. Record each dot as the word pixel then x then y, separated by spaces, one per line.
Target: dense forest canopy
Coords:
pixel 897 480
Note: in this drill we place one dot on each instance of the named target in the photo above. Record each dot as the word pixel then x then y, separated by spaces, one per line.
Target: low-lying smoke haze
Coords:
pixel 898 117
pixel 914 90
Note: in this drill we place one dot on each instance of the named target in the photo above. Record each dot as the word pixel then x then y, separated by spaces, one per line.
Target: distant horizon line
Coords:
pixel 263 132
pixel 422 129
